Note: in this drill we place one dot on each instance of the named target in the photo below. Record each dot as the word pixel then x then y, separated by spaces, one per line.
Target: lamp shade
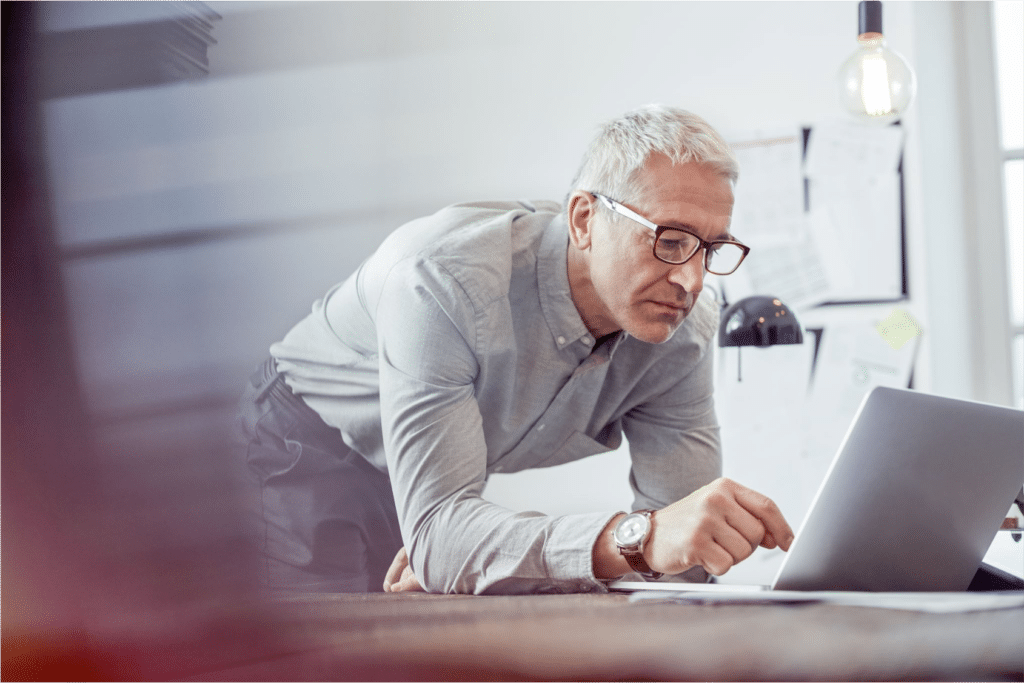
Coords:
pixel 759 321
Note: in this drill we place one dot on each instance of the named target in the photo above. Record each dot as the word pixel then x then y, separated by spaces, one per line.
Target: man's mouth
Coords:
pixel 673 306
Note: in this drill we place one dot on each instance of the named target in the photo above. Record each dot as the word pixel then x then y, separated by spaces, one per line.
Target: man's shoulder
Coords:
pixel 480 224
pixel 473 242
pixel 485 207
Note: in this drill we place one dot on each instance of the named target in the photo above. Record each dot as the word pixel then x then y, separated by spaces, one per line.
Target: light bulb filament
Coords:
pixel 875 86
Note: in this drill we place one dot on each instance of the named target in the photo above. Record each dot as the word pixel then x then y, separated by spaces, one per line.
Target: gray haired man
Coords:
pixel 501 336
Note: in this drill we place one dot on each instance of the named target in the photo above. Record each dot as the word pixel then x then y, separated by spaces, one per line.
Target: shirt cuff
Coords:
pixel 569 552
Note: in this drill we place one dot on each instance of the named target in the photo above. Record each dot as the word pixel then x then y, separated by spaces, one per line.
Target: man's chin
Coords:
pixel 656 333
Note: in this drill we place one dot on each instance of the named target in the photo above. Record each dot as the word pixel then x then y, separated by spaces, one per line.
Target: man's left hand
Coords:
pixel 400 576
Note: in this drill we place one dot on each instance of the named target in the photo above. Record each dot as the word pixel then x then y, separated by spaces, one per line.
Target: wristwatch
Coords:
pixel 630 534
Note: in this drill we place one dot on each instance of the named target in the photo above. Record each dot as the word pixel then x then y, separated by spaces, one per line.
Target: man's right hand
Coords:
pixel 715 527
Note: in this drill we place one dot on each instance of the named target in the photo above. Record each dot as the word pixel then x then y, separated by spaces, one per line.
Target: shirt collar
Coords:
pixel 560 312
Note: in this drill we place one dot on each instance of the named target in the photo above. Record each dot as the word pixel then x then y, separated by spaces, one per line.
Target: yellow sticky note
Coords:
pixel 898 328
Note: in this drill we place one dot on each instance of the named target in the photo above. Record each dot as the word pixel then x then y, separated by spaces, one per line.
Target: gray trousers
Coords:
pixel 322 518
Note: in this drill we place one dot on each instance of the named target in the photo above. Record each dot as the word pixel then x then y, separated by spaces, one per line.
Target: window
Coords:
pixel 1008 19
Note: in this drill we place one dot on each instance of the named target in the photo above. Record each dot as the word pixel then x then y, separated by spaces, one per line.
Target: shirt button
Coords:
pixel 560 340
pixel 588 340
pixel 540 428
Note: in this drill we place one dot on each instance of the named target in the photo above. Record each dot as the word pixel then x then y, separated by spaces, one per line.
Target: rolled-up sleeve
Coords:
pixel 436 452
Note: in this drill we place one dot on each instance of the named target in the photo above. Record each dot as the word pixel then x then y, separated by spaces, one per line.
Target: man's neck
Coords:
pixel 584 296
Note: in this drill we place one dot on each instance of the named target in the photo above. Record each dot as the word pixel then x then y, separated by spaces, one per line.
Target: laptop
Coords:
pixel 912 500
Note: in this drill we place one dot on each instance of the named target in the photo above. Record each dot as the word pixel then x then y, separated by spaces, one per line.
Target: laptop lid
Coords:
pixel 913 498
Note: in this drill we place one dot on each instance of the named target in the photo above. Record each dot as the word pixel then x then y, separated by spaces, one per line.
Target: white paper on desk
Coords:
pixel 943 603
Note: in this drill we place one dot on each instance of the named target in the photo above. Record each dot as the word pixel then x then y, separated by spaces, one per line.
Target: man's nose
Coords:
pixel 689 275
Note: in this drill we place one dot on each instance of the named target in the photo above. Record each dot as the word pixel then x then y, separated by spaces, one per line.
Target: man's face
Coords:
pixel 624 286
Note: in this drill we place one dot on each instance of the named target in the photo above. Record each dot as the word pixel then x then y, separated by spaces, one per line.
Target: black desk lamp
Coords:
pixel 759 321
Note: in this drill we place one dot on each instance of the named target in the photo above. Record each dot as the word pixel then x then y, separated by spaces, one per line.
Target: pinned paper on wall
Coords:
pixel 898 328
pixel 838 148
pixel 855 208
pixel 821 209
pixel 761 419
pixel 854 358
pixel 761 416
pixel 770 194
pixel 769 216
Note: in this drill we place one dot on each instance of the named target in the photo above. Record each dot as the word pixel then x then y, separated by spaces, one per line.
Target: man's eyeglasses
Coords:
pixel 676 246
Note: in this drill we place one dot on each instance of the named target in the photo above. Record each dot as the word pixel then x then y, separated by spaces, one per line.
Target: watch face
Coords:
pixel 631 529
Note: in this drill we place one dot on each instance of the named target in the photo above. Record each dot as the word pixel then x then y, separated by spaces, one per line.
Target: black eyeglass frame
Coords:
pixel 706 245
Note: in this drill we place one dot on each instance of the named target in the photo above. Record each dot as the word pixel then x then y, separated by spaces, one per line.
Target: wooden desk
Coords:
pixel 605 637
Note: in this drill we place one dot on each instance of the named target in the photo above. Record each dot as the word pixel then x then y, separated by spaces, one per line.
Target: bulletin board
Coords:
pixel 822 208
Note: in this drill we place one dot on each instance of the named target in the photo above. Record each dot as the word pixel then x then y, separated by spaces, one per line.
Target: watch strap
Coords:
pixel 634 556
pixel 639 564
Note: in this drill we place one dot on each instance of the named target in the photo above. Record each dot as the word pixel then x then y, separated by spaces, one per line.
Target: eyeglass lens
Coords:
pixel 676 246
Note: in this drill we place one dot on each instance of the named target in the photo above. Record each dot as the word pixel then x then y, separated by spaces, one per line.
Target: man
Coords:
pixel 495 337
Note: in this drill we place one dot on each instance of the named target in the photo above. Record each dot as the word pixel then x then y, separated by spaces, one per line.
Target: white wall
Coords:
pixel 323 126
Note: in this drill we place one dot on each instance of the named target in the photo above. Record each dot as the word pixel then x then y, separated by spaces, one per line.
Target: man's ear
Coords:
pixel 580 215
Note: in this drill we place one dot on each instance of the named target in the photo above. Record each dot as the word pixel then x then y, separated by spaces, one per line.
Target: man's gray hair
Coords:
pixel 615 158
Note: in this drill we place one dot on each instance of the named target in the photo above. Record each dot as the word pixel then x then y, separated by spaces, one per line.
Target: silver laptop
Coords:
pixel 911 502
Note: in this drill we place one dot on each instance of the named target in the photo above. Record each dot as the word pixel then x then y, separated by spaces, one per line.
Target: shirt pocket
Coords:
pixel 576 447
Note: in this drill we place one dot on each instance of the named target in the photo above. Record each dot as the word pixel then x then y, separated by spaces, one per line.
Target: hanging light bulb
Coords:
pixel 876 84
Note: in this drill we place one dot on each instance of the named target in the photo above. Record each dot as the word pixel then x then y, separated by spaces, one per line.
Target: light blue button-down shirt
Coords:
pixel 456 350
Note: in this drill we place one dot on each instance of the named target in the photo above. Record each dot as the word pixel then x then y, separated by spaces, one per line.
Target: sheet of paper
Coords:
pixel 854 208
pixel 656 586
pixel 855 221
pixel 769 216
pixel 792 270
pixel 853 358
pixel 760 396
pixel 770 191
pixel 844 243
pixel 941 603
pixel 845 148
